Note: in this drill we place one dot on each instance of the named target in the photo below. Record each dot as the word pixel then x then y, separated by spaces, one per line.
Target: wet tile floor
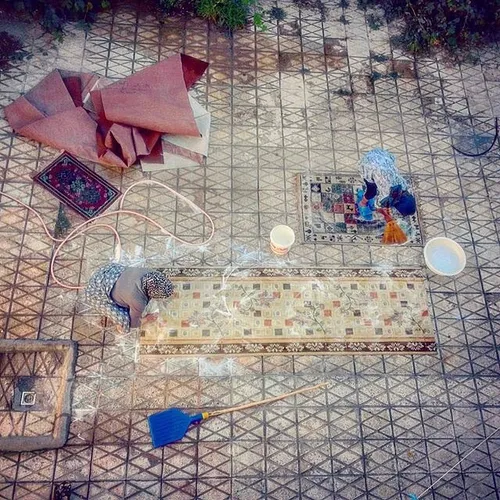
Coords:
pixel 301 97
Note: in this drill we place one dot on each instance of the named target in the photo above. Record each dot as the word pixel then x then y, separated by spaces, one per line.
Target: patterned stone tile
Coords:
pixel 33 490
pixel 108 463
pixel 36 466
pixel 249 425
pixel 376 423
pixel 247 458
pixel 482 485
pixel 382 487
pixel 347 457
pixel 317 487
pixel 248 487
pixel 402 391
pixel 385 426
pixel 412 456
pixel 282 458
pixel 112 427
pixel 280 424
pixel 144 464
pixel 149 392
pixel 214 459
pixel 142 489
pixel 441 453
pixel 109 490
pixel 180 461
pixel 9 462
pixel 282 487
pixel 352 486
pixel 312 423
pixel 73 464
pixel 372 391
pixel 487 391
pixel 181 489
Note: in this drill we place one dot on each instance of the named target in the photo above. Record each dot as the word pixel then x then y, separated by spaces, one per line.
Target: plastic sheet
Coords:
pixel 255 302
pixel 271 310
pixel 260 302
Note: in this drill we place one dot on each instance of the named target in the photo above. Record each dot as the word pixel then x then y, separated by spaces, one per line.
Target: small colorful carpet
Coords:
pixel 329 212
pixel 292 311
pixel 84 191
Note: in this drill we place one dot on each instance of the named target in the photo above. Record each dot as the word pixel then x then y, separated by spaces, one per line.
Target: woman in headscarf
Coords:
pixel 122 293
pixel 384 181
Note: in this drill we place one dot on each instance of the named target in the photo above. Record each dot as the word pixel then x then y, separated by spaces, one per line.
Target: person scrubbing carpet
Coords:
pixel 122 293
pixel 384 184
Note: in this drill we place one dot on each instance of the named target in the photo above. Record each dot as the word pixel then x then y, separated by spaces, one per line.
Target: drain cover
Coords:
pixel 28 398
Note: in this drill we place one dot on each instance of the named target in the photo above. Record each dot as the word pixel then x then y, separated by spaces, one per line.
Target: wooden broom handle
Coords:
pixel 265 401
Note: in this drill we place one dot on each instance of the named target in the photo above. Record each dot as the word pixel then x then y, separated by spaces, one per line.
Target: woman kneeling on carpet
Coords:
pixel 122 293
pixel 382 179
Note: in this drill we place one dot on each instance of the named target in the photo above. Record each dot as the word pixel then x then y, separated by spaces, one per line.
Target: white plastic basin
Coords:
pixel 444 256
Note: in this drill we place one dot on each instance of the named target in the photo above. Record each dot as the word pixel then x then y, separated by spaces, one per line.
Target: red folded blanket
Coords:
pixel 112 124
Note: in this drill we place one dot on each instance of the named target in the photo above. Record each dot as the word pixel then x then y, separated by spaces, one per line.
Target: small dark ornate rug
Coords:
pixel 84 191
pixel 292 311
pixel 329 212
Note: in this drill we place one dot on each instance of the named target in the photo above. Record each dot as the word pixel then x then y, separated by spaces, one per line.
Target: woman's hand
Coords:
pixel 363 202
pixel 150 318
pixel 386 214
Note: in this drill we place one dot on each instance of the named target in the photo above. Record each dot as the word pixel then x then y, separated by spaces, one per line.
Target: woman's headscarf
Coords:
pixel 157 286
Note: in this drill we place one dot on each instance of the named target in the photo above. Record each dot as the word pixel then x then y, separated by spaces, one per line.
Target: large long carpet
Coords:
pixel 292 311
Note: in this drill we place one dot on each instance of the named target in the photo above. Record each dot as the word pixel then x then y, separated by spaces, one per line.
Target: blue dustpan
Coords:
pixel 171 425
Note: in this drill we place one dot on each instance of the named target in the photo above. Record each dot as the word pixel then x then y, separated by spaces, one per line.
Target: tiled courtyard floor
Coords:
pixel 302 96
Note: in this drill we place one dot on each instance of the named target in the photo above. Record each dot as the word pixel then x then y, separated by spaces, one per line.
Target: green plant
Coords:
pixel 276 14
pixel 54 14
pixel 231 14
pixel 168 5
pixel 209 9
pixel 228 14
pixel 175 7
pixel 11 49
pixel 234 14
pixel 452 24
pixel 374 22
pixel 62 223
pixel 316 5
pixel 364 4
pixel 379 58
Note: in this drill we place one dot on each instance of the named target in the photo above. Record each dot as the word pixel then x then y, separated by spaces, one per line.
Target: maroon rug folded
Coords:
pixel 111 124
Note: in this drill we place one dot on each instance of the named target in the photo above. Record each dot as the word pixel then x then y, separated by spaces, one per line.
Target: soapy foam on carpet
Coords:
pixel 292 311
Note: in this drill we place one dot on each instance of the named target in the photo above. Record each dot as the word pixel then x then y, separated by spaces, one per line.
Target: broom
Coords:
pixel 393 234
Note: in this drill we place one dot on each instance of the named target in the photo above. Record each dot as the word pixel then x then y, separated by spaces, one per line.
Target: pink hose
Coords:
pixel 83 227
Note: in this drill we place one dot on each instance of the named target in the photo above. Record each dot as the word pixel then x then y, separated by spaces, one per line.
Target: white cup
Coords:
pixel 282 238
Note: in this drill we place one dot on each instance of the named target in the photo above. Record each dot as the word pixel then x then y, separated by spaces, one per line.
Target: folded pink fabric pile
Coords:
pixel 110 123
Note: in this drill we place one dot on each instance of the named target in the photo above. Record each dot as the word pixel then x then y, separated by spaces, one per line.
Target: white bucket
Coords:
pixel 282 238
pixel 444 256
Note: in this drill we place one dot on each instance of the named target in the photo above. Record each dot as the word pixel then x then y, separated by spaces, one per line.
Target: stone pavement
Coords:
pixel 307 95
